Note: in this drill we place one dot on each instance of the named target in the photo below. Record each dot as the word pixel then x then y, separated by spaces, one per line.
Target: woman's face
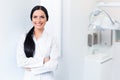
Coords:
pixel 39 19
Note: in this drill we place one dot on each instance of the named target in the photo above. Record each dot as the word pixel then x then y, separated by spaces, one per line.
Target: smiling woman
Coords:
pixel 37 51
pixel 14 20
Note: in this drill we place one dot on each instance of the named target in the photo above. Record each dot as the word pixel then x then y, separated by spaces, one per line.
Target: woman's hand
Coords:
pixel 46 59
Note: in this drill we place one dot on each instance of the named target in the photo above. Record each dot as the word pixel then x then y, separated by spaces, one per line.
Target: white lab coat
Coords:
pixel 44 46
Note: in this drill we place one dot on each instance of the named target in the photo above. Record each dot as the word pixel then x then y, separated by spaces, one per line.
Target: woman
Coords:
pixel 37 51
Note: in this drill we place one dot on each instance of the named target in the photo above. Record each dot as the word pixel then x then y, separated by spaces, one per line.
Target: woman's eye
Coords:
pixel 42 17
pixel 35 17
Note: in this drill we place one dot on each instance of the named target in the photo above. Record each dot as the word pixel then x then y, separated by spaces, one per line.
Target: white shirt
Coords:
pixel 45 46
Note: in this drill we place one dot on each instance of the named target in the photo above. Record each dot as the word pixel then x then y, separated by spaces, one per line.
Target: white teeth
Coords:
pixel 39 24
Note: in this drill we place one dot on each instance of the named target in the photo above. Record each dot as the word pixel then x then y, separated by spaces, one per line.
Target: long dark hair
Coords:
pixel 29 45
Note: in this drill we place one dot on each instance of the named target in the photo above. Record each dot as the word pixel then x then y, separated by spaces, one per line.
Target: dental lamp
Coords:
pixel 101 20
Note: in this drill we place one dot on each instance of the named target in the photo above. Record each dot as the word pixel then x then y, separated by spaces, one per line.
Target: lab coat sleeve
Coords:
pixel 22 60
pixel 52 64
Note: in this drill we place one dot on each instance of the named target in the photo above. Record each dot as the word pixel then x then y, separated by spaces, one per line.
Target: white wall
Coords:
pixel 14 20
pixel 74 37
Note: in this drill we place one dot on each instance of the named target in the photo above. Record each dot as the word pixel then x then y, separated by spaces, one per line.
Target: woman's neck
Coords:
pixel 38 33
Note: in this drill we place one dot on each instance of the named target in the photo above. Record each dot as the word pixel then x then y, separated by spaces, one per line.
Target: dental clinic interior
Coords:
pixel 88 33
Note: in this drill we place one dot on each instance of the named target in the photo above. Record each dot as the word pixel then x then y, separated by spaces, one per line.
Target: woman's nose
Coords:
pixel 38 19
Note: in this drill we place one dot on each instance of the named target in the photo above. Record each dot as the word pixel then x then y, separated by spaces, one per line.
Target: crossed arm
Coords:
pixel 46 59
pixel 38 65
